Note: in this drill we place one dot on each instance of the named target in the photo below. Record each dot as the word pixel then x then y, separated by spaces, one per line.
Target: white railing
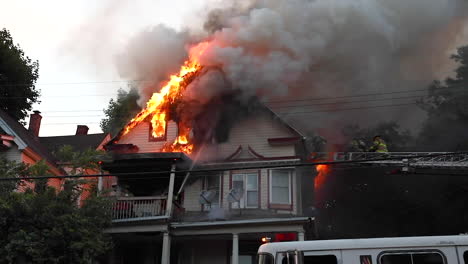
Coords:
pixel 134 208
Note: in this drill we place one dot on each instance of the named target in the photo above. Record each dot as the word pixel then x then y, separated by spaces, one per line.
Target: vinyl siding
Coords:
pixel 13 154
pixel 191 194
pixel 193 190
pixel 139 136
pixel 255 132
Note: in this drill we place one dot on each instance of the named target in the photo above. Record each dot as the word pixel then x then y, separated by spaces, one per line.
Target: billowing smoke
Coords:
pixel 300 49
pixel 150 58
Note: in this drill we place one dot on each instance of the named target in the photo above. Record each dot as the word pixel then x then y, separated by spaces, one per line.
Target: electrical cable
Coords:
pixel 310 164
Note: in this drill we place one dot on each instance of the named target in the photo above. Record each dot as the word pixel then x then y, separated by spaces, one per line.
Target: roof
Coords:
pixel 289 220
pixel 368 243
pixel 78 142
pixel 23 138
pixel 254 105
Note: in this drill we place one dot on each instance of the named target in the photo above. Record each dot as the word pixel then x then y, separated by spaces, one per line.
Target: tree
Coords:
pixel 45 225
pixel 447 110
pixel 120 111
pixel 18 75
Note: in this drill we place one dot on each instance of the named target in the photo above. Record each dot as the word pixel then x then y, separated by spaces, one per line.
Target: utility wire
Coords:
pixel 310 164
pixel 283 101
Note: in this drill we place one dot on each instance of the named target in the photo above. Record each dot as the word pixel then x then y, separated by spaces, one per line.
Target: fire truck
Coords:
pixel 397 250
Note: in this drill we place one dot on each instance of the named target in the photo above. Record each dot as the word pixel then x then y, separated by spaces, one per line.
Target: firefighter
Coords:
pixel 378 145
pixel 357 145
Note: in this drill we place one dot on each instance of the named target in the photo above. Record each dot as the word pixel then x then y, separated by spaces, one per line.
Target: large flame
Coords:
pixel 322 171
pixel 158 107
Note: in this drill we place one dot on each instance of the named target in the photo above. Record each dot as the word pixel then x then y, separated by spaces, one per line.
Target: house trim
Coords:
pixel 233 155
pixel 268 225
pixel 291 220
pixel 283 141
pixel 19 142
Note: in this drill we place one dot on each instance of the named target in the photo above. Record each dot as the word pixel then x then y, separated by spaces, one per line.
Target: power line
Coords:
pixel 350 102
pixel 310 164
pixel 346 109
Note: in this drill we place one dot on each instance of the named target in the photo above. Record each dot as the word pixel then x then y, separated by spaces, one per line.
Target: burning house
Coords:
pixel 203 183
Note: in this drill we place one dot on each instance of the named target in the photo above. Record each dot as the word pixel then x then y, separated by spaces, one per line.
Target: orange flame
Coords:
pixel 322 171
pixel 157 108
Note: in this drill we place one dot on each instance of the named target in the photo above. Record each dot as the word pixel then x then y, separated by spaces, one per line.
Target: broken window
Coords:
pixel 212 185
pixel 152 137
pixel 246 184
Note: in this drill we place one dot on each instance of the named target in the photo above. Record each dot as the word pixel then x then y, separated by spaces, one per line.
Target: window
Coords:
pixel 156 138
pixel 280 187
pixel 211 183
pixel 320 259
pixel 247 185
pixel 265 259
pixel 412 258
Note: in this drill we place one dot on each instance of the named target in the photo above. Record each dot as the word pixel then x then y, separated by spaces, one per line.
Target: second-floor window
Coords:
pixel 212 184
pixel 247 184
pixel 280 187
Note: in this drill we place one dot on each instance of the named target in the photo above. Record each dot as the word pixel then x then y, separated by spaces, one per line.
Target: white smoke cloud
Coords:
pixel 151 57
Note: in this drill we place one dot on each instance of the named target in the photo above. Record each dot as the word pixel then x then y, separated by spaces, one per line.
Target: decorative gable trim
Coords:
pixel 235 154
pixel 18 141
pixel 283 141
pixel 6 141
pixel 255 154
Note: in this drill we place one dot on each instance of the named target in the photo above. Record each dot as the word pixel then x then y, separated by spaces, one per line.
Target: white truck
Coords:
pixel 397 250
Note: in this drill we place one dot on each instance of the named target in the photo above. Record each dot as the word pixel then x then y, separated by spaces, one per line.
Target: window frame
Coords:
pixel 243 200
pixel 281 206
pixel 151 138
pixel 206 207
pixel 411 252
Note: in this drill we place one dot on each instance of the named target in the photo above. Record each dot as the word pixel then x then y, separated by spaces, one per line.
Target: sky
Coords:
pixel 76 43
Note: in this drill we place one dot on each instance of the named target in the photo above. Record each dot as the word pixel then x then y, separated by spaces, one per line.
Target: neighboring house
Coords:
pixel 81 141
pixel 223 211
pixel 23 145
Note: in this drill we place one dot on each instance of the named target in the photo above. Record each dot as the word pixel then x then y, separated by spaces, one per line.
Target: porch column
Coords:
pixel 170 193
pixel 235 249
pixel 300 236
pixel 166 249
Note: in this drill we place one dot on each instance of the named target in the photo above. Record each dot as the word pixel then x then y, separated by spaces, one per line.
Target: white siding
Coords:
pixel 139 136
pixel 13 154
pixel 255 132
pixel 191 194
pixel 264 189
pixel 226 183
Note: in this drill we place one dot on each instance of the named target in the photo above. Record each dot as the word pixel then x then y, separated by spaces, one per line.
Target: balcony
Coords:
pixel 127 209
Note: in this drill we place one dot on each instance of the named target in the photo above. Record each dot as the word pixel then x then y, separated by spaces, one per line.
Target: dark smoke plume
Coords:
pixel 300 49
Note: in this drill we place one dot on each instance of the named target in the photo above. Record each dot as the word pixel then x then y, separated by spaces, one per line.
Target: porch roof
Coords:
pixel 144 161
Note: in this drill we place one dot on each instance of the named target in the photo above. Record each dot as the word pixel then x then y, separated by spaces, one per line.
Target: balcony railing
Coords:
pixel 138 208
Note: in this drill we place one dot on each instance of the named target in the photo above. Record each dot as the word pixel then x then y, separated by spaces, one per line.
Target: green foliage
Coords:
pixel 10 169
pixel 79 161
pixel 18 75
pixel 46 225
pixel 447 108
pixel 396 138
pixel 120 111
pixel 50 227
